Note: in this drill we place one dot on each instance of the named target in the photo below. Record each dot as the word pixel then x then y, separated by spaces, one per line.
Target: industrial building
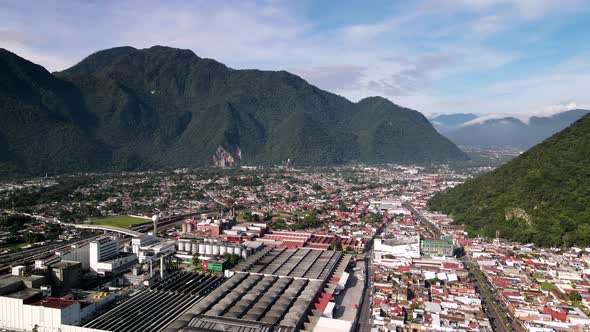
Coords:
pixel 299 263
pixel 207 247
pixel 155 308
pixel 27 304
pixel 275 289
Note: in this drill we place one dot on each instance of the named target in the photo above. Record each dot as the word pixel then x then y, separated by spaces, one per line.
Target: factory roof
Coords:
pixel 54 302
pixel 253 302
pixel 9 279
pixel 173 295
pixel 24 294
pixel 64 264
pixel 300 263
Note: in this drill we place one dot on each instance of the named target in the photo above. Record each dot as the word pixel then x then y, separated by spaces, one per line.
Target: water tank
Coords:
pixel 180 246
pixel 194 248
pixel 189 228
pixel 215 250
pixel 201 248
pixel 222 250
pixel 208 249
pixel 238 251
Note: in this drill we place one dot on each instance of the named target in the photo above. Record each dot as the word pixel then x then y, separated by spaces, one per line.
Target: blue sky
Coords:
pixel 436 56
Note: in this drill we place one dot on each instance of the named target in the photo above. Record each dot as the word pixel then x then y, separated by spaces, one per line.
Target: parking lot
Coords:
pixel 351 295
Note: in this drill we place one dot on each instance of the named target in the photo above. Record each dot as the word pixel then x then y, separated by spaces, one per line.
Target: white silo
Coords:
pixel 208 249
pixel 222 249
pixel 194 248
pixel 179 245
pixel 155 219
pixel 238 251
pixel 189 227
pixel 184 228
pixel 215 250
pixel 201 248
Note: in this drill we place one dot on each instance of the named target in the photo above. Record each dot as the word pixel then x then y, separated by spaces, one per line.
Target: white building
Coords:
pixel 409 248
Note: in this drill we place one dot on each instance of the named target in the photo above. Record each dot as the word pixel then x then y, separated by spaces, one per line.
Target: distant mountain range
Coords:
pixel 469 129
pixel 541 196
pixel 128 109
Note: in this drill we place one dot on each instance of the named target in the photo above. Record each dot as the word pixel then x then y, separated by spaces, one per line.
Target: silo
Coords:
pixel 244 253
pixel 222 249
pixel 208 249
pixel 230 250
pixel 215 250
pixel 179 245
pixel 189 227
pixel 201 248
pixel 184 228
pixel 238 251
pixel 194 248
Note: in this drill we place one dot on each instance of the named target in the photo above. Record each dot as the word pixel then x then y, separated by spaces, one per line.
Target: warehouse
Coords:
pixel 273 301
pixel 275 289
pixel 299 263
pixel 155 308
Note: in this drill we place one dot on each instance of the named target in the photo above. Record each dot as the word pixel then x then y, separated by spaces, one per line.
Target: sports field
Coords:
pixel 117 221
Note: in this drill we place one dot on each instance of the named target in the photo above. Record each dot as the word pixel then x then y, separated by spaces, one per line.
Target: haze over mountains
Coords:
pixel 542 196
pixel 472 130
pixel 127 109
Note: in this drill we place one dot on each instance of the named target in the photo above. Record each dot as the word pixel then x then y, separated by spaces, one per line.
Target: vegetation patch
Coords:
pixel 117 221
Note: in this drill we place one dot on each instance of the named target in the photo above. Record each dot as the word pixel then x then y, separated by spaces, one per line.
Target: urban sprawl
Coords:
pixel 350 248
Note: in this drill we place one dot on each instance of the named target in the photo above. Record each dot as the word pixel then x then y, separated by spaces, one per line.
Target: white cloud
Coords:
pixel 403 57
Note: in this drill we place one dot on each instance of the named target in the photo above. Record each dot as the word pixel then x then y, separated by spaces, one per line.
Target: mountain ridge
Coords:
pixel 509 131
pixel 541 196
pixel 165 107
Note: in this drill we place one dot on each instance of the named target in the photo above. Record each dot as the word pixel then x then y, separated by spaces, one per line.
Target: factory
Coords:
pixel 208 247
pixel 144 310
pixel 26 304
pixel 275 289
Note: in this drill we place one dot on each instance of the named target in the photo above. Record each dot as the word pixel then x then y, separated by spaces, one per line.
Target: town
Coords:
pixel 352 248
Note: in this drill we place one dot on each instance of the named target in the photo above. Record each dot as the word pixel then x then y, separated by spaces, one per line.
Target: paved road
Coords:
pixel 365 320
pixel 351 295
pixel 488 300
pixel 435 232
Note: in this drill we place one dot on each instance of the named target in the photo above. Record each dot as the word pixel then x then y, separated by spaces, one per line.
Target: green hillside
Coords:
pixel 542 196
pixel 128 109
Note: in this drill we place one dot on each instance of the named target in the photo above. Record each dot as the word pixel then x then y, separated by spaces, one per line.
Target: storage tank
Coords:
pixel 238 251
pixel 184 228
pixel 201 248
pixel 244 253
pixel 216 250
pixel 222 250
pixel 194 248
pixel 189 227
pixel 208 249
pixel 180 246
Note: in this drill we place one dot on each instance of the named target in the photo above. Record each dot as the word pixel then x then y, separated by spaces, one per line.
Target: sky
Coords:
pixel 517 57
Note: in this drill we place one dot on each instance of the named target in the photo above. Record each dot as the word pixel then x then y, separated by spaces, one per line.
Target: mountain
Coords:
pixel 510 131
pixel 445 123
pixel 126 109
pixel 542 196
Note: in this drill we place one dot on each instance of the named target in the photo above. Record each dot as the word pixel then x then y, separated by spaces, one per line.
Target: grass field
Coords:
pixel 117 221
pixel 12 246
